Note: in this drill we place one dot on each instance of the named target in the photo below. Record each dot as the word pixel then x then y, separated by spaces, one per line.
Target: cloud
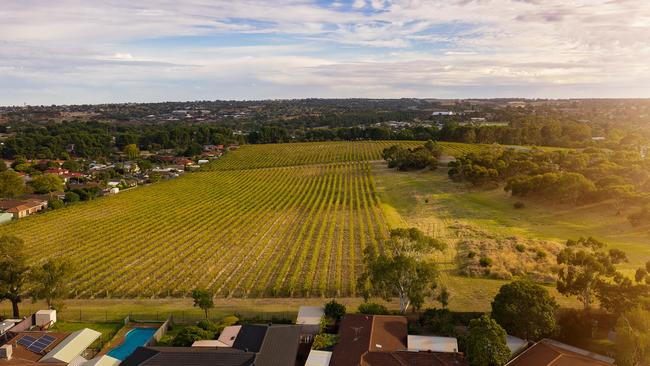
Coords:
pixel 302 48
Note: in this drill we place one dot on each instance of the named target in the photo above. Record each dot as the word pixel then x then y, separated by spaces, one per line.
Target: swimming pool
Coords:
pixel 135 338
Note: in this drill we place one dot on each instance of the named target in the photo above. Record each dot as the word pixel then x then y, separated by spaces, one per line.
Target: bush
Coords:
pixel 208 325
pixel 325 341
pixel 55 204
pixel 471 254
pixel 229 320
pixel 485 262
pixel 189 335
pixel 334 310
pixel 519 205
pixel 371 308
pixel 71 197
pixel 520 248
pixel 439 321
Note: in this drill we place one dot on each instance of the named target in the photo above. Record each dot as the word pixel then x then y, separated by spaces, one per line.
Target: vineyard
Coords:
pixel 288 220
pixel 277 155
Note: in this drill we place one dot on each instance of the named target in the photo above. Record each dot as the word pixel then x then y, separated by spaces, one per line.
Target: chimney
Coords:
pixel 5 352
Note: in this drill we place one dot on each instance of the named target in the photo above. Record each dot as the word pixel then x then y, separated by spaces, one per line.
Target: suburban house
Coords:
pixel 548 352
pixel 26 342
pixel 380 340
pixel 259 345
pixel 22 208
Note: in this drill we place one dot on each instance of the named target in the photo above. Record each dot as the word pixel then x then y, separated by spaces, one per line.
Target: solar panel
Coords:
pixel 26 341
pixel 48 338
pixel 35 349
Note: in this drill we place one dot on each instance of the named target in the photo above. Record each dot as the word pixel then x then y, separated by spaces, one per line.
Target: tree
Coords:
pixel 486 343
pixel 71 197
pixel 47 183
pixel 203 299
pixel 14 271
pixel 585 264
pixel 633 338
pixel 131 151
pixel 403 270
pixel 525 310
pixel 51 282
pixel 11 184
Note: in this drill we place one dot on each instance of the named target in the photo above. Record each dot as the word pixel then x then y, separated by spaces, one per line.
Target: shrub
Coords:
pixel 208 325
pixel 71 197
pixel 325 341
pixel 575 326
pixel 518 205
pixel 334 310
pixel 229 320
pixel 520 248
pixel 471 254
pixel 371 308
pixel 540 254
pixel 485 262
pixel 55 204
pixel 189 335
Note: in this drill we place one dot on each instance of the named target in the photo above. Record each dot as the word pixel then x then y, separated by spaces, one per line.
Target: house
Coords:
pixel 259 345
pixel 380 340
pixel 47 348
pixel 22 208
pixel 548 352
pixel 443 113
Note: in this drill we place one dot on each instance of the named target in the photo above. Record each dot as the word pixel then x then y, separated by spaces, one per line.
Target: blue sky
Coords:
pixel 92 51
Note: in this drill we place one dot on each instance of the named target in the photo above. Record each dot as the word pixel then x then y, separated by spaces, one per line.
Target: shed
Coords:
pixel 309 318
pixel 433 344
pixel 5 217
pixel 516 345
pixel 71 347
pixel 45 317
pixel 318 358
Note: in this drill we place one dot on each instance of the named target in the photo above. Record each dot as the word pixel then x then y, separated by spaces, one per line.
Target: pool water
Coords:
pixel 135 338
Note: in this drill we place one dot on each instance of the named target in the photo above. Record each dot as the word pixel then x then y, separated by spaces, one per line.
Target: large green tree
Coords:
pixel 14 271
pixel 47 183
pixel 525 309
pixel 633 338
pixel 403 270
pixel 486 343
pixel 11 184
pixel 584 264
pixel 51 282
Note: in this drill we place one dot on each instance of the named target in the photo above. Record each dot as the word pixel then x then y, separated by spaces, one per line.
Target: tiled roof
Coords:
pixel 548 352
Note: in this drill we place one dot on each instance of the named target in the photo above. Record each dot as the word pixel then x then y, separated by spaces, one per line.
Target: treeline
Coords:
pixel 96 139
pixel 568 176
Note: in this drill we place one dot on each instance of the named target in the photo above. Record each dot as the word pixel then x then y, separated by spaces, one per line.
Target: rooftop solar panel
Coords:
pixel 48 338
pixel 26 341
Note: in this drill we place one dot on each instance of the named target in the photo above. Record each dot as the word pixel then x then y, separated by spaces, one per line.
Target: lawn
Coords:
pixel 107 329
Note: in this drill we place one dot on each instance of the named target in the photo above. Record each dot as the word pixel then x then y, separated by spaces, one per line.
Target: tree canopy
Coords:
pixel 404 270
pixel 203 299
pixel 486 344
pixel 14 271
pixel 525 309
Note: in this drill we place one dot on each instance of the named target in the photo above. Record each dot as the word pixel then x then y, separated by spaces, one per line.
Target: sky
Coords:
pixel 99 51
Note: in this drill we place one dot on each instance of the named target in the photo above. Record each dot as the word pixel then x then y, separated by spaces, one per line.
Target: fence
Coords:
pixel 189 316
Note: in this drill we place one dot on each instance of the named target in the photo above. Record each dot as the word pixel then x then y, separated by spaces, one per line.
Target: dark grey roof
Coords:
pixel 250 337
pixel 280 346
pixel 188 356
